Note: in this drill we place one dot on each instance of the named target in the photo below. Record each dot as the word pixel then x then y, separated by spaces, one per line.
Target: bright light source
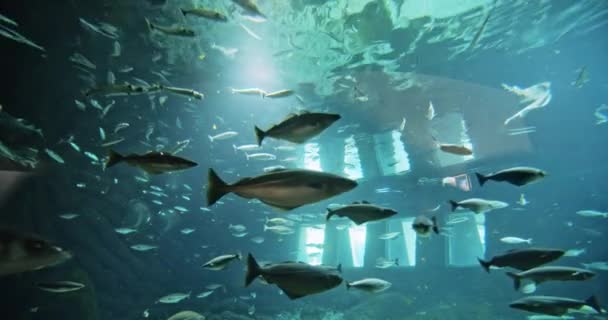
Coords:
pixel 313 244
pixel 312 159
pixel 357 235
pixel 352 162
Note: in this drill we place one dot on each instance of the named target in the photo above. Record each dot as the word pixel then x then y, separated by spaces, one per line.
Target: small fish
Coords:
pixel 120 126
pixel 125 230
pixel 60 286
pixel 383 263
pixel 402 125
pixel 205 13
pixel 102 134
pixel 81 185
pixel 260 156
pixel 74 146
pixel 602 117
pixel 430 113
pixel 457 220
pixel 184 92
pixel 592 213
pixel 236 228
pixel 246 147
pixel 91 156
pixel 250 32
pixel 389 236
pixel 221 262
pixel 173 31
pixel 80 105
pixel 116 50
pixel 54 156
pixel 68 216
pixel 273 168
pixel 522 200
pixel 582 78
pixel 181 209
pixel 143 247
pixel 372 285
pixel 257 239
pixel 574 252
pixel 228 52
pixel 280 230
pixel 515 240
pixel 187 230
pixel 279 94
pixel 112 142
pixel 205 294
pixel 600 265
pixel 81 60
pixel 174 297
pixel 249 91
pixel 223 136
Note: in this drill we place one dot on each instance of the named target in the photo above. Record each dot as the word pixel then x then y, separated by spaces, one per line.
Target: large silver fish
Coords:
pixel 554 306
pixel 282 188
pixel 523 259
pixel 518 176
pixel 24 252
pixel 296 279
pixel 529 279
pixel 298 128
pixel 361 212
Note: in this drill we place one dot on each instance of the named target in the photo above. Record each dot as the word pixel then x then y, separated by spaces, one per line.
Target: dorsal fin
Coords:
pixel 365 202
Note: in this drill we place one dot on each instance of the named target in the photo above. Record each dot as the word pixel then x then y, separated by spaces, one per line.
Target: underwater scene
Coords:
pixel 304 159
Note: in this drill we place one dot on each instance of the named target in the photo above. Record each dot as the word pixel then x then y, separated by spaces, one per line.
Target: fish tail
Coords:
pixel 210 138
pixel 516 280
pixel 330 213
pixel 594 303
pixel 454 204
pixel 184 12
pixel 529 241
pixel 149 24
pixel 239 255
pixel 435 225
pixel 260 135
pixel 348 285
pixel 247 156
pixel 481 178
pixel 113 158
pixel 339 267
pixel 216 188
pixel 253 270
pixel 265 227
pixel 485 264
pixel 234 147
pixel 397 261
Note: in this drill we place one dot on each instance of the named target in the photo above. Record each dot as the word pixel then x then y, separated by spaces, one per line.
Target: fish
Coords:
pixel 574 252
pixel 582 78
pixel 249 91
pixel 278 229
pixel 592 213
pixel 246 147
pixel 273 168
pixel 82 61
pixel 383 263
pixel 143 247
pixel 114 90
pixel 112 142
pixel 91 156
pixel 423 225
pixel 221 262
pixel 601 117
pixel 28 252
pixel 187 230
pixel 151 162
pixel 523 259
pixel 236 227
pixel 184 92
pixel 527 281
pixel 80 105
pixel 223 136
pixel 120 126
pixel 228 52
pixel 279 221
pixel 295 279
pixel 457 220
pixel 104 29
pixel 522 200
pixel 298 128
pixel 53 155
pixel 250 32
pixel 284 189
pixel 187 315
pixel 457 149
pixel 204 294
pixel 372 285
pixel 179 31
pixel 125 230
pixel 515 240
pixel 389 236
pixel 599 265
pixel 361 212
pixel 250 8
pixel 257 239
pixel 478 205
pixel 554 306
pixel 68 216
pixel 60 286
pixel 205 13
pixel 5 31
pixel 279 94
pixel 480 31
pixel 102 134
pixel 430 113
pixel 261 156
pixel 174 297
pixel 518 176
pixel 116 50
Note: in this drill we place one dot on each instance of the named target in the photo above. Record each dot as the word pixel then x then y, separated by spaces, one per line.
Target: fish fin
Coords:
pixel 365 202
pixel 347 285
pixel 149 24
pixel 279 207
pixel 481 178
pixel 253 270
pixel 339 268
pixel 235 149
pixel 151 170
pixel 216 187
pixel 435 225
pixel 183 11
pixel 454 204
pixel 485 264
pixel 260 135
pixel 356 202
pixel 594 303
pixel 210 138
pixel 292 295
pixel 516 280
pixel 329 214
pixel 358 220
pixel 239 255
pixel 113 158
